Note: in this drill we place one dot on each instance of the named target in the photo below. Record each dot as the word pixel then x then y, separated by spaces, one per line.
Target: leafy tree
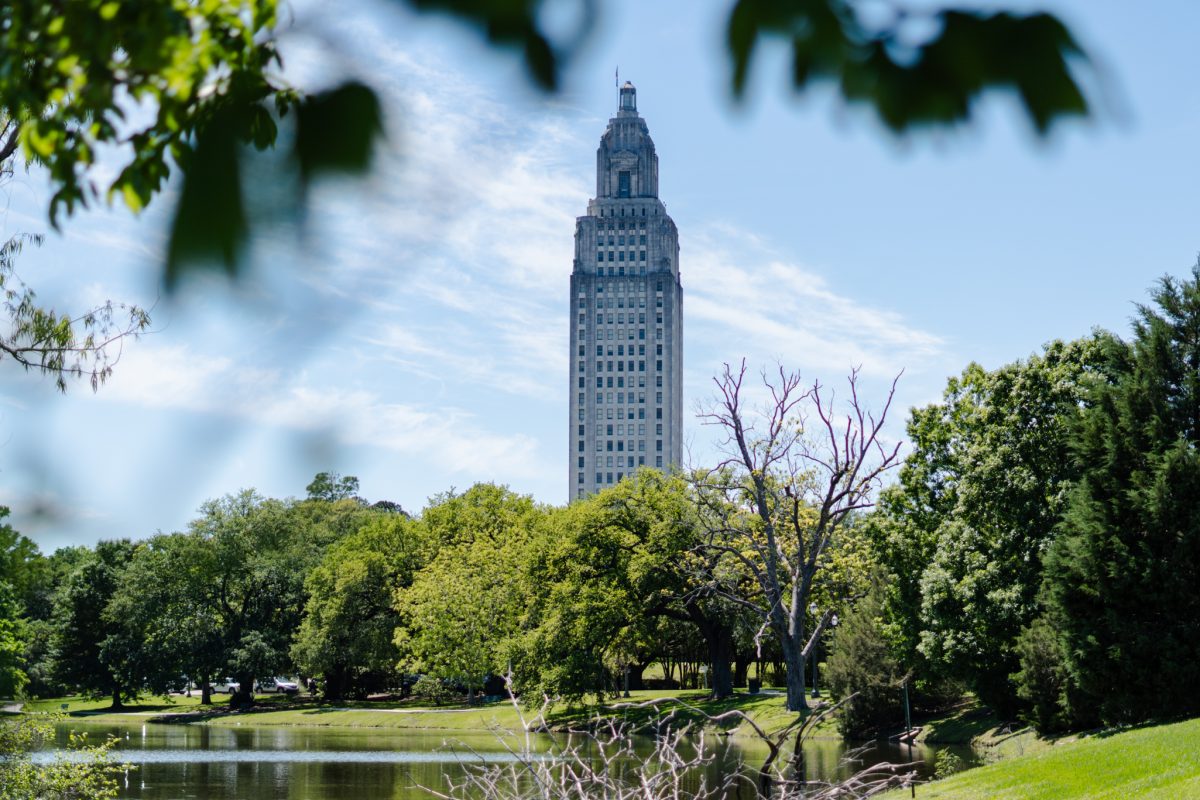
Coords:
pixel 330 486
pixel 165 595
pixel 861 664
pixel 12 645
pixel 252 555
pixel 962 534
pixel 61 345
pixel 1121 576
pixel 349 619
pixel 94 651
pixel 469 598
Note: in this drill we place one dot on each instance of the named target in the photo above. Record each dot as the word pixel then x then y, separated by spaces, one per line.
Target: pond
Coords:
pixel 311 763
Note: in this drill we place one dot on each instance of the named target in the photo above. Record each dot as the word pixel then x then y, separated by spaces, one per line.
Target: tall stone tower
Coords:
pixel 626 316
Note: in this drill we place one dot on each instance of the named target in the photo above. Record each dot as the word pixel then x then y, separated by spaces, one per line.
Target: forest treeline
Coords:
pixel 1039 547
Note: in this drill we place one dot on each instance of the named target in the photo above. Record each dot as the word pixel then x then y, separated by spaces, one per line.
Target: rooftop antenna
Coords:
pixel 617 84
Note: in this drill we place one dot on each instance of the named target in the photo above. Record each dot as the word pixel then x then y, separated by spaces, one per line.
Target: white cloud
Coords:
pixel 452 438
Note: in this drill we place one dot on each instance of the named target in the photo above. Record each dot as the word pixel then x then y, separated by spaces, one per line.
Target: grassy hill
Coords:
pixel 1160 762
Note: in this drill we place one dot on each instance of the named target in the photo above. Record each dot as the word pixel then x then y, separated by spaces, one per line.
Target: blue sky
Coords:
pixel 413 331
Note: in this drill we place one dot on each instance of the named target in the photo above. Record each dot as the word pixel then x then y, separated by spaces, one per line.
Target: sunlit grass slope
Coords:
pixel 1153 763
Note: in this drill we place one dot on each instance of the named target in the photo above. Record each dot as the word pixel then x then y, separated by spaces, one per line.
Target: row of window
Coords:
pixel 602 384
pixel 619 255
pixel 619 286
pixel 607 477
pixel 622 445
pixel 624 334
pixel 620 319
pixel 621 398
pixel 639 225
pixel 621 429
pixel 619 241
pixel 641 365
pixel 641 351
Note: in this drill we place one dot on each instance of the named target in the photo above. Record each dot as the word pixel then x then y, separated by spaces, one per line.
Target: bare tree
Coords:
pixel 792 474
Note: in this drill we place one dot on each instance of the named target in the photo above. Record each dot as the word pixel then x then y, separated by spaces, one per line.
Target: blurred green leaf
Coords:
pixel 336 130
pixel 912 84
pixel 209 226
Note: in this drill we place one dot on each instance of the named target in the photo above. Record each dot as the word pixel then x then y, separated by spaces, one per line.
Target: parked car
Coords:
pixel 280 685
pixel 225 686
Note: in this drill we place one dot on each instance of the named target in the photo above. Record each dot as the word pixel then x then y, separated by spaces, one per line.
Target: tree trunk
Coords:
pixel 116 698
pixel 636 681
pixel 205 691
pixel 793 659
pixel 741 669
pixel 720 654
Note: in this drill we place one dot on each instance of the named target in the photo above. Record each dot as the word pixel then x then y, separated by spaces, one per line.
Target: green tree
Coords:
pixel 94 651
pixel 962 534
pixel 166 596
pixel 470 596
pixel 252 553
pixel 861 664
pixel 1121 576
pixel 13 637
pixel 330 486
pixel 347 636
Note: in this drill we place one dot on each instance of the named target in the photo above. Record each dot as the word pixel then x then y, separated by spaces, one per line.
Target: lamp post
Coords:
pixel 812 656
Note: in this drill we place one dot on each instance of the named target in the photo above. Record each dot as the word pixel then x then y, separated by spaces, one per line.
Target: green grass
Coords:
pixel 766 710
pixel 77 705
pixel 1152 763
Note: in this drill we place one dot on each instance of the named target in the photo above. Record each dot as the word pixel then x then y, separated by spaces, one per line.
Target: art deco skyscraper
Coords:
pixel 626 316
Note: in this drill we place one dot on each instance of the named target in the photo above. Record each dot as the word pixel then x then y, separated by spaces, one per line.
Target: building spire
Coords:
pixel 628 98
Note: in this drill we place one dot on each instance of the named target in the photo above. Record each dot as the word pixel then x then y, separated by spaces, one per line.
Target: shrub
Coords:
pixel 860 662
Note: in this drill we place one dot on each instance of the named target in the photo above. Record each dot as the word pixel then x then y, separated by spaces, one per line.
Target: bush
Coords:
pixel 1042 681
pixel 431 690
pixel 860 662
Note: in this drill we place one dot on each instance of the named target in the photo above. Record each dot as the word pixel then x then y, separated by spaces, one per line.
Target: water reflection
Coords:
pixel 219 763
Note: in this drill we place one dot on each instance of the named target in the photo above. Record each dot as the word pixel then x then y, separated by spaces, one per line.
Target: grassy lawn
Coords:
pixel 77 705
pixel 766 710
pixel 1152 763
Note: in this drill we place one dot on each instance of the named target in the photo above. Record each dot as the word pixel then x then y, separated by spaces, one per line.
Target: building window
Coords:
pixel 657 430
pixel 658 398
pixel 599 477
pixel 658 461
pixel 623 184
pixel 581 380
pixel 581 430
pixel 641 461
pixel 658 412
pixel 580 480
pixel 581 445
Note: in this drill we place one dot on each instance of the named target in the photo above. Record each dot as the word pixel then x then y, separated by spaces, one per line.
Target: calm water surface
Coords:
pixel 219 763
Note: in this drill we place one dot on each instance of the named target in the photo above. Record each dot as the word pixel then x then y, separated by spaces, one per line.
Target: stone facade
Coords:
pixel 626 398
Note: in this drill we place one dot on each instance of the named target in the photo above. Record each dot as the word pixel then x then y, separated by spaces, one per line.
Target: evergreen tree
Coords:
pixel 1123 575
